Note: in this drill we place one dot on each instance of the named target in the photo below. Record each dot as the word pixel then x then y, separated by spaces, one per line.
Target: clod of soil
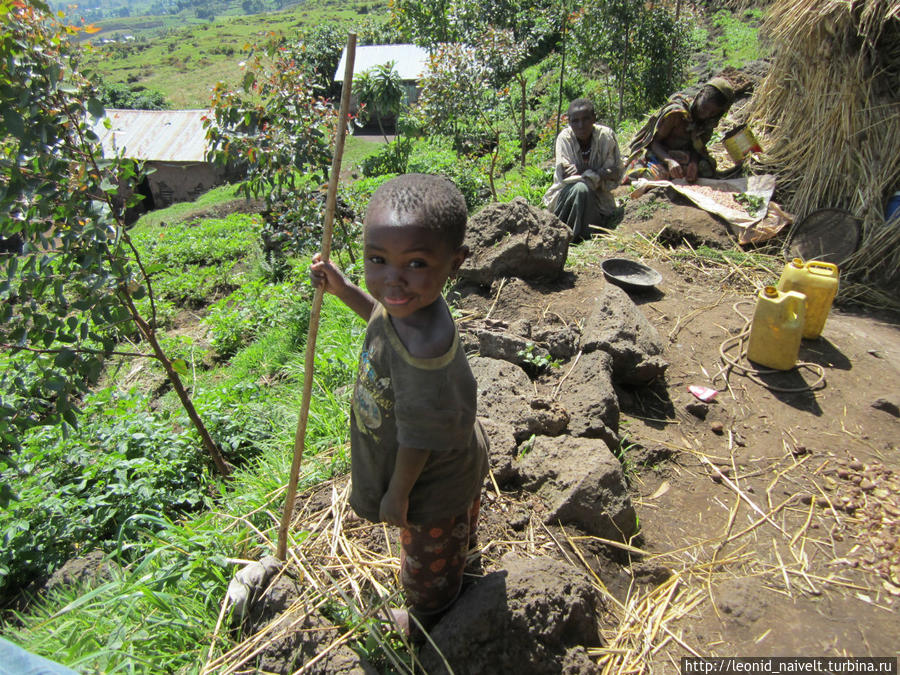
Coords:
pixel 514 239
pixel 531 617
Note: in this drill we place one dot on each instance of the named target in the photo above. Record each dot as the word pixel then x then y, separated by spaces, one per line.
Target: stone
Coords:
pixel 503 450
pixel 508 347
pixel 514 239
pixel 91 568
pixel 590 399
pixel 561 342
pixel 498 399
pixel 617 327
pixel 296 635
pixel 532 617
pixel 249 582
pixel 582 484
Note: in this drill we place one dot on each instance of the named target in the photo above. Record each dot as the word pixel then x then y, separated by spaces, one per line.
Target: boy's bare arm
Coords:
pixel 336 283
pixel 408 468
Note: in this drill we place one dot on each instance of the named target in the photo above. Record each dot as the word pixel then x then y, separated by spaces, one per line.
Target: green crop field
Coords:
pixel 183 57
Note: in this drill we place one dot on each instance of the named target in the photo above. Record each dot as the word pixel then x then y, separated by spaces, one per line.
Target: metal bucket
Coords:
pixel 740 142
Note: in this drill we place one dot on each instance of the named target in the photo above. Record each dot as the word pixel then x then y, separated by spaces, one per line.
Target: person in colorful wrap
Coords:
pixel 418 455
pixel 588 167
pixel 672 143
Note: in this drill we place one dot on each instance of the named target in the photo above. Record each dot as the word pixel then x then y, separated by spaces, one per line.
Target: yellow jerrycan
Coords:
pixel 777 328
pixel 818 281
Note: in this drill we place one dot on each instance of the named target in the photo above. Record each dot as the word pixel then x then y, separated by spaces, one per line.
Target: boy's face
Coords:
pixel 406 264
pixel 582 122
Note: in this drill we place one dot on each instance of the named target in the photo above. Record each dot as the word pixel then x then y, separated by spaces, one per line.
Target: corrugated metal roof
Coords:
pixel 410 61
pixel 155 135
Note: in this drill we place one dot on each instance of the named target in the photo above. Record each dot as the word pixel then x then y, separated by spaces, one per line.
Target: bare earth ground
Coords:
pixel 768 527
pixel 779 514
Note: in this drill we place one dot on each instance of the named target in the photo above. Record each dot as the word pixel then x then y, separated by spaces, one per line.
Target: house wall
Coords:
pixel 180 182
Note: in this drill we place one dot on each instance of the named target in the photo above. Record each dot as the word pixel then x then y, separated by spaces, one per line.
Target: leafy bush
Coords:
pixel 188 264
pixel 436 155
pixel 296 227
pixel 642 47
pixel 392 158
pixel 360 192
pixel 73 492
pixel 237 319
pixel 135 96
pixel 737 41
pixel 532 183
pixel 237 419
pixel 194 285
pixel 207 241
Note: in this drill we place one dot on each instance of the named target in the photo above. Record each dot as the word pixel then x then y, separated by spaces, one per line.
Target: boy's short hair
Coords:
pixel 434 199
pixel 582 103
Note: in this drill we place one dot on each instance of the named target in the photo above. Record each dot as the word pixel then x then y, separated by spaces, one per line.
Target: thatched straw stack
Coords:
pixel 830 112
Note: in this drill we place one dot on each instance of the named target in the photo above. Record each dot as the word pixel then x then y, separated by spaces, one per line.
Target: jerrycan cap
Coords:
pixel 797 262
pixel 771 292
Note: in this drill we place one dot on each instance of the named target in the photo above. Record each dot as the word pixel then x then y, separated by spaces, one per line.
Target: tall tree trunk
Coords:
pixel 562 65
pixel 523 83
pixel 622 77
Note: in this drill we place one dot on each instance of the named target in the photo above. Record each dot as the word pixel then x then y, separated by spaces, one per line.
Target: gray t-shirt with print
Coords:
pixel 427 404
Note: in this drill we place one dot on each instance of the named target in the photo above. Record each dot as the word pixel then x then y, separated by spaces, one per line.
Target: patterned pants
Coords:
pixel 433 558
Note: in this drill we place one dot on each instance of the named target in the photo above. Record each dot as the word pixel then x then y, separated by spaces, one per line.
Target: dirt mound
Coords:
pixel 295 639
pixel 514 240
pixel 533 616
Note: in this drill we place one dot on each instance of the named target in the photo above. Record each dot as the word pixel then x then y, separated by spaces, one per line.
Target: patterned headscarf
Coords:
pixel 723 86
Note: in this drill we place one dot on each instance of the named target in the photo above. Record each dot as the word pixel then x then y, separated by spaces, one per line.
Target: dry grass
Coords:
pixel 761 536
pixel 828 111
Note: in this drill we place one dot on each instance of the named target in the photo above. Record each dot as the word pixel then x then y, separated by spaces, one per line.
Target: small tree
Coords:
pixel 70 298
pixel 278 130
pixel 381 91
pixel 461 96
pixel 642 47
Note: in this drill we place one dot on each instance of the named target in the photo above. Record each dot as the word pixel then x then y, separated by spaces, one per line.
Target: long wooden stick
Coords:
pixel 327 227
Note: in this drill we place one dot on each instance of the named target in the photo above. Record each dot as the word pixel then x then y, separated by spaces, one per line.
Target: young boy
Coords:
pixel 588 168
pixel 418 455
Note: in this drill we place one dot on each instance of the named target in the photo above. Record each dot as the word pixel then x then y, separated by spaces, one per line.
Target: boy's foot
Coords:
pixel 406 627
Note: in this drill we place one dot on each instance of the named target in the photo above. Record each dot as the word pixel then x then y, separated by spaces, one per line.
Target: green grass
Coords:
pixel 158 611
pixel 738 42
pixel 356 149
pixel 176 213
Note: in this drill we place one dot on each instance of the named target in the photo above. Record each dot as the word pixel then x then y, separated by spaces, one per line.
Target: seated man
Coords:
pixel 672 144
pixel 588 166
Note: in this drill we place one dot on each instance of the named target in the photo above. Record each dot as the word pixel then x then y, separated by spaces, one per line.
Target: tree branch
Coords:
pixel 77 350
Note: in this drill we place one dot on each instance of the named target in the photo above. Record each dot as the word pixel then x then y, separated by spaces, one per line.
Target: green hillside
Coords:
pixel 183 57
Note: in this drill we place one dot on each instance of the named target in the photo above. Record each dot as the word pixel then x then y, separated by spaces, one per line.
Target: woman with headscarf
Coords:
pixel 672 143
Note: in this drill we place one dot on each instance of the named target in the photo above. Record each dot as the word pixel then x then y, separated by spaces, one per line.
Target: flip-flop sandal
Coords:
pixel 400 621
pixel 402 624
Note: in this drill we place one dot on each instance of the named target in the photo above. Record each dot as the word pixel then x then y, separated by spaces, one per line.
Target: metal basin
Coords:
pixel 630 273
